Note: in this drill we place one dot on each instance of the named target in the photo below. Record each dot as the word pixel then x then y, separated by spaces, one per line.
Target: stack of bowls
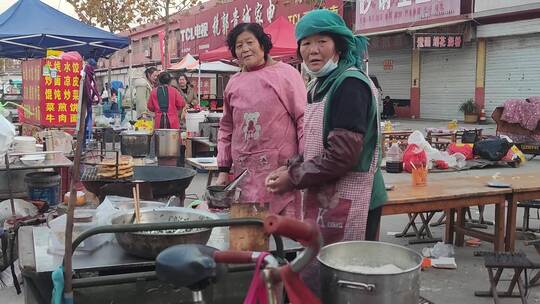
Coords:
pixel 24 144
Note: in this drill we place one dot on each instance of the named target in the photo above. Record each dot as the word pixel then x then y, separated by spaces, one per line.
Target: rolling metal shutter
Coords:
pixel 512 69
pixel 395 77
pixel 447 78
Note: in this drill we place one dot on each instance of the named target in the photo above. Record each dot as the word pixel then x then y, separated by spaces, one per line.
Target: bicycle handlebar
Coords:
pixel 304 233
pixel 235 257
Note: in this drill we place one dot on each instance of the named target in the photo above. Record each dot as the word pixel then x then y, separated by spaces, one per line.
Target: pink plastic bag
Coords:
pixel 257 291
pixel 71 56
pixel 414 155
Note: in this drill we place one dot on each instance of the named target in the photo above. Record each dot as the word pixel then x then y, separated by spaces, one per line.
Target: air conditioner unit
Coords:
pixel 147 53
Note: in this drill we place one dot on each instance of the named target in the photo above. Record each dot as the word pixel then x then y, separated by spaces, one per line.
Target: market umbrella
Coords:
pixel 29 27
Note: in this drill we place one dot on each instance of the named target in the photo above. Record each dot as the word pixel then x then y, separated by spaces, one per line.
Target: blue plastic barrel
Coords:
pixel 44 186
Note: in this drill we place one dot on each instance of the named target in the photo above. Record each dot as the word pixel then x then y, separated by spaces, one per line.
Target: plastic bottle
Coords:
pixel 394 153
pixel 394 159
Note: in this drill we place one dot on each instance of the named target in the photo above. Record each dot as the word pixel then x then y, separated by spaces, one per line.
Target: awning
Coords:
pixel 29 27
pixel 189 63
pixel 414 28
pixel 284 43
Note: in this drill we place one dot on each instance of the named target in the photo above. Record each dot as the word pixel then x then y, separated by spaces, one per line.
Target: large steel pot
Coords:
pixel 149 244
pixel 342 280
pixel 167 142
pixel 135 143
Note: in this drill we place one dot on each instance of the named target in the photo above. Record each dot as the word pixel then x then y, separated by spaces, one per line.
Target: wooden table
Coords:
pixel 211 167
pixel 453 195
pixel 195 145
pixel 525 187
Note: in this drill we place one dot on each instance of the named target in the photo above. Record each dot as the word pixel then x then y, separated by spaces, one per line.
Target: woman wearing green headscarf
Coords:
pixel 340 169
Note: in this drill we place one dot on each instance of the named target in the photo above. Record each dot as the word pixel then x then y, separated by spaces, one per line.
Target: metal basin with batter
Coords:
pixel 149 244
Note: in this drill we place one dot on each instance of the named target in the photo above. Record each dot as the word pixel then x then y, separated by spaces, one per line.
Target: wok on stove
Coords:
pixel 149 244
pixel 156 182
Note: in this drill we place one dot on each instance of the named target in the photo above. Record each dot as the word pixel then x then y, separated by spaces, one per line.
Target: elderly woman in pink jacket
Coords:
pixel 262 123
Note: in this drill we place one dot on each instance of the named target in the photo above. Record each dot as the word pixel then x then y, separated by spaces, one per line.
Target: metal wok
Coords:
pixel 149 244
pixel 156 182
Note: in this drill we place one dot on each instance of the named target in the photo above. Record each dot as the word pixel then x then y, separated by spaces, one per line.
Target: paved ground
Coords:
pixel 438 286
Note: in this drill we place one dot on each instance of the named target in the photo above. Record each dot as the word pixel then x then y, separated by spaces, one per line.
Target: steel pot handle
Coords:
pixel 356 285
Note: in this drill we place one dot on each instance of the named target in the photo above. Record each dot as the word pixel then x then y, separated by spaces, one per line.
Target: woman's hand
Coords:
pixel 278 181
pixel 222 179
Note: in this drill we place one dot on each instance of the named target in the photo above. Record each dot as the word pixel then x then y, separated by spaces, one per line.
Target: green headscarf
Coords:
pixel 324 21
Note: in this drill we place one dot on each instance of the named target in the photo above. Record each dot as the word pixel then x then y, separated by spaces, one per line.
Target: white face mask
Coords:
pixel 328 67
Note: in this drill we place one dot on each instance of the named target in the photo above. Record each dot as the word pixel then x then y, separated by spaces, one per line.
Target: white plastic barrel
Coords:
pixel 192 122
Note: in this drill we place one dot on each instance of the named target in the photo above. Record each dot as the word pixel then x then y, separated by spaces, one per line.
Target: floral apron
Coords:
pixel 340 209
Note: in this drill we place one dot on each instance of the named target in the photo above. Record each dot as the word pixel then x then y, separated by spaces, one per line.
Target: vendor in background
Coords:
pixel 262 123
pixel 388 108
pixel 105 93
pixel 110 105
pixel 166 102
pixel 341 166
pixel 187 91
pixel 151 75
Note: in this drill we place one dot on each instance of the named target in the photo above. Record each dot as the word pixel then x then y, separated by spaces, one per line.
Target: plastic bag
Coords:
pixel 103 122
pixel 465 149
pixel 7 133
pixel 461 160
pixel 418 139
pixel 493 149
pixel 22 208
pixel 439 250
pixel 414 155
pixel 73 55
pixel 514 154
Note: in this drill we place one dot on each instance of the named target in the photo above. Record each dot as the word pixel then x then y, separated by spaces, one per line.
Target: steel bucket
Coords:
pixel 135 143
pixel 349 273
pixel 167 142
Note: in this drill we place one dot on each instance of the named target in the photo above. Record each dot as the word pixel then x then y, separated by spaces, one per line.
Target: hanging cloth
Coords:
pixel 163 101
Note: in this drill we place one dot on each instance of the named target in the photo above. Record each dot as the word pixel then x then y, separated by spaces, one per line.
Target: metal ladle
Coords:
pixel 235 182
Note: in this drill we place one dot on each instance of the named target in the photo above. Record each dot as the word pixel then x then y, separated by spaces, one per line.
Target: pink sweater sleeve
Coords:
pixel 224 158
pixel 294 95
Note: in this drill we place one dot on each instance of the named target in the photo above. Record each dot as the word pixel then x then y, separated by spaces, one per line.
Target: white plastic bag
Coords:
pixel 418 139
pixel 461 160
pixel 7 133
pixel 22 208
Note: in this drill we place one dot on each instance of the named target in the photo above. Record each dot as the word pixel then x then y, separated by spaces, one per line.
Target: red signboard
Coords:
pixel 372 14
pixel 51 92
pixel 205 88
pixel 438 41
pixel 208 29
